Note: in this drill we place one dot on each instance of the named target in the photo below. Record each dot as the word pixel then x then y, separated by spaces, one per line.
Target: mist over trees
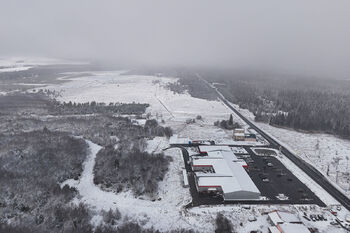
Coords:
pixel 316 105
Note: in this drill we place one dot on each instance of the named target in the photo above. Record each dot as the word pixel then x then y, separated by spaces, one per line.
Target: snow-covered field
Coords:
pixel 165 105
pixel 168 212
pixel 163 214
pixel 24 63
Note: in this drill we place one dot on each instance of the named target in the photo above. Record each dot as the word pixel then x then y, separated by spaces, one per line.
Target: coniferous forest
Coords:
pixel 302 103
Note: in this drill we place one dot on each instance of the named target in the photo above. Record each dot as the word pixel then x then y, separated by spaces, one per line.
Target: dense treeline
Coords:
pixel 95 107
pixel 126 165
pixel 32 165
pixel 195 87
pixel 129 168
pixel 300 103
pixel 41 103
pixel 326 112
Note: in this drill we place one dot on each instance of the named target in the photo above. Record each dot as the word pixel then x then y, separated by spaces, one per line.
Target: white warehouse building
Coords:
pixel 219 171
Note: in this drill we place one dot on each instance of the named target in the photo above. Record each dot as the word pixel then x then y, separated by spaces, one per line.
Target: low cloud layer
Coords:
pixel 301 36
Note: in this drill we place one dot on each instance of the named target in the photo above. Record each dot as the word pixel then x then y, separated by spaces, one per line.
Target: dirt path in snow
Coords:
pixel 163 215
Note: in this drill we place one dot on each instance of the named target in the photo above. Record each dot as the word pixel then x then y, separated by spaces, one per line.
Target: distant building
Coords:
pixel 239 134
pixel 250 137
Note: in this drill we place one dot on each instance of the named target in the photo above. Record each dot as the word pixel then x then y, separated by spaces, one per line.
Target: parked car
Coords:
pixel 312 217
pixel 266 180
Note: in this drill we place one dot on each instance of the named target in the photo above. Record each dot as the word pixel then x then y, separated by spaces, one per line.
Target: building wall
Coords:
pixel 241 195
pixel 239 138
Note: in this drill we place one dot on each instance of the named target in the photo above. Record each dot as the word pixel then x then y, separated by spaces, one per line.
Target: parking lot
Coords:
pixel 276 183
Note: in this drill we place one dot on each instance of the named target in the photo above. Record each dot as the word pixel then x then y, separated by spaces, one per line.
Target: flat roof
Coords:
pixel 213 148
pixel 239 130
pixel 288 217
pixel 228 184
pixel 238 150
pixel 275 218
pixel 229 173
pixel 218 154
pixel 219 165
pixel 278 217
pixel 293 228
pixel 274 230
pixel 242 176
pixel 239 134
pixel 214 154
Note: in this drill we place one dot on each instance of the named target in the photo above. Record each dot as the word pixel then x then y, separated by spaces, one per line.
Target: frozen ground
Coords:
pixel 321 150
pixel 165 105
pixel 25 63
pixel 168 212
pixel 157 145
pixel 164 214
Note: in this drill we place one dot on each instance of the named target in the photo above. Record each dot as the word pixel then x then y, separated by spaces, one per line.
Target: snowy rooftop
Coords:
pixel 228 184
pixel 293 228
pixel 219 165
pixel 218 155
pixel 288 217
pixel 239 134
pixel 214 148
pixel 275 218
pixel 237 178
pixel 239 150
pixel 241 175
pixel 214 154
pixel 278 217
pixel 274 230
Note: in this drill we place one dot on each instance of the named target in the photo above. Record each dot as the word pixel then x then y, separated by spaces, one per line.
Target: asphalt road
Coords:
pixel 307 168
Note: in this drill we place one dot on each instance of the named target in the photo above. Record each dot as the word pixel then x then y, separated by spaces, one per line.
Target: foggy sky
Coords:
pixel 311 36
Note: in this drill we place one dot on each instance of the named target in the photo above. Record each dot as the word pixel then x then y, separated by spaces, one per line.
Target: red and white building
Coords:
pixel 218 170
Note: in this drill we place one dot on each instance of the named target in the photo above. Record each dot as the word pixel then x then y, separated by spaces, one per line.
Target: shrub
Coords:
pixel 223 225
pixel 130 168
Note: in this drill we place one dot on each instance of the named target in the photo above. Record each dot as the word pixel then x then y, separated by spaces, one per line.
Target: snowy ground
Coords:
pixel 320 150
pixel 165 105
pixel 168 212
pixel 24 63
pixel 163 214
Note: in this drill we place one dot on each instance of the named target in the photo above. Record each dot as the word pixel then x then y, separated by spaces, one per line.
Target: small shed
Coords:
pixel 185 178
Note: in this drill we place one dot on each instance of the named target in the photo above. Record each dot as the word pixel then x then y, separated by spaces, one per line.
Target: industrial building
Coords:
pixel 242 135
pixel 239 134
pixel 284 222
pixel 218 171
